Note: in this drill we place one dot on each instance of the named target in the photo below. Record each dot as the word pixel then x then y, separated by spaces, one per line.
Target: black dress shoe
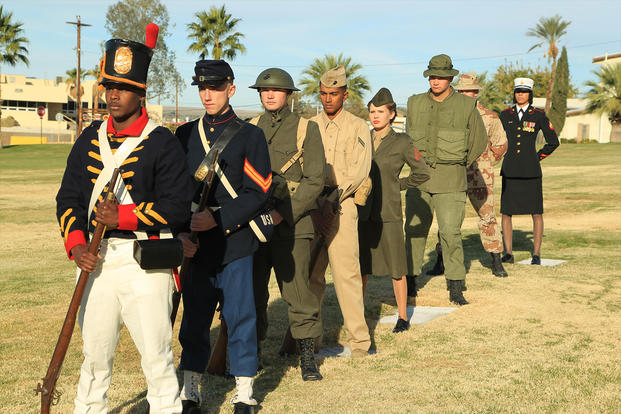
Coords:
pixel 497 268
pixel 536 260
pixel 438 268
pixel 508 258
pixel 190 407
pixel 243 408
pixel 402 325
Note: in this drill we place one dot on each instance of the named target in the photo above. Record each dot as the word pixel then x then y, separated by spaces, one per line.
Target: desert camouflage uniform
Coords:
pixel 480 177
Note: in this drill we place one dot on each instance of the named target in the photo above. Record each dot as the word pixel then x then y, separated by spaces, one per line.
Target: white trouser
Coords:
pixel 118 292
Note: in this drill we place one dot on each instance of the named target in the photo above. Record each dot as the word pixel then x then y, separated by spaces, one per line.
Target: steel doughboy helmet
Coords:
pixel 274 78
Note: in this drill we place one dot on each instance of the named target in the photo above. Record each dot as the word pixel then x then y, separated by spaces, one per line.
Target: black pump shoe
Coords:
pixel 508 258
pixel 402 325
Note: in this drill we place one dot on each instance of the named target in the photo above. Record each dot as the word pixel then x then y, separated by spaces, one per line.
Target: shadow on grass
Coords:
pixel 473 251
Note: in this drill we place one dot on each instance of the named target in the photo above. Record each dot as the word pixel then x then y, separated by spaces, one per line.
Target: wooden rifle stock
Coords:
pixel 47 389
pixel 217 362
pixel 185 265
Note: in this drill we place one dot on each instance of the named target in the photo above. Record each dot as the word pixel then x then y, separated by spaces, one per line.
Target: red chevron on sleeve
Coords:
pixel 264 183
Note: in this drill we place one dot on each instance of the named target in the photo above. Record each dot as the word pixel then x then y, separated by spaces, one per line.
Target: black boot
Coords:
pixel 310 372
pixel 243 408
pixel 497 268
pixel 438 268
pixel 455 292
pixel 411 281
pixel 288 346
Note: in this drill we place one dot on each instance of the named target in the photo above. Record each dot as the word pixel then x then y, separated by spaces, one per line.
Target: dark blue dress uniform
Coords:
pixel 521 169
pixel 160 187
pixel 221 269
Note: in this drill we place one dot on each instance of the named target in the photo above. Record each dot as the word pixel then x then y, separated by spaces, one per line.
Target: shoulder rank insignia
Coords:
pixel 361 142
pixel 550 125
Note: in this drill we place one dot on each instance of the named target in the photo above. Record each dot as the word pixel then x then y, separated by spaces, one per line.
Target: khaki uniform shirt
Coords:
pixel 348 148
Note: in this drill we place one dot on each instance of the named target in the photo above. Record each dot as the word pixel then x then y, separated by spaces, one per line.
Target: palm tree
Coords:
pixel 12 48
pixel 71 81
pixel 549 30
pixel 96 92
pixel 215 29
pixel 605 97
pixel 356 84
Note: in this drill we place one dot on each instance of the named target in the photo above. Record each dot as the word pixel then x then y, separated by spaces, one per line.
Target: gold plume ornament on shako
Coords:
pixel 127 62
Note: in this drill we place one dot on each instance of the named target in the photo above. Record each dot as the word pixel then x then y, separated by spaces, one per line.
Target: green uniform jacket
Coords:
pixel 394 151
pixel 450 135
pixel 281 134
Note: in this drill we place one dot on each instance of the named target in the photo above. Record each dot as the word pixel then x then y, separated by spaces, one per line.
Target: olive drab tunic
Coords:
pixel 294 193
pixel 450 135
pixel 382 248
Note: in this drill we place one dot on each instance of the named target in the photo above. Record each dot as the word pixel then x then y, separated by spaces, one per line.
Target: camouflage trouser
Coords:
pixel 481 195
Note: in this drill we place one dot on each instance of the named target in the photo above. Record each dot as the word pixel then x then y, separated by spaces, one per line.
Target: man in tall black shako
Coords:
pixel 221 268
pixel 153 195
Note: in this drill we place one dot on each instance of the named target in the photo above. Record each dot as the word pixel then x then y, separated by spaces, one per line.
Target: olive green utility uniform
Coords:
pixel 294 192
pixel 450 135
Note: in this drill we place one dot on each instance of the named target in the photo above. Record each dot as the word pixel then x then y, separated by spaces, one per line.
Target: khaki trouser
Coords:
pixel 450 209
pixel 341 251
pixel 290 260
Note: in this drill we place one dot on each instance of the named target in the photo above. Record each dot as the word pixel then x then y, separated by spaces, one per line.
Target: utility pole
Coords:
pixel 79 25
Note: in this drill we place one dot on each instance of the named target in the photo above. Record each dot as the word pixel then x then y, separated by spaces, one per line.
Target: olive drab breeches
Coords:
pixel 450 209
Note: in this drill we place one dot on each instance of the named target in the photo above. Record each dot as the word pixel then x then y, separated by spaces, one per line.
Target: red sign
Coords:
pixel 41 111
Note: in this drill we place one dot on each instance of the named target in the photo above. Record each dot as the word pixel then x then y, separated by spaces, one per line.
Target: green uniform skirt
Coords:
pixel 382 248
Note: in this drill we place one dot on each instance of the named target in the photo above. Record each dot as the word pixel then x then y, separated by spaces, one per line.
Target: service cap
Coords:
pixel 440 65
pixel 212 73
pixel 525 84
pixel 335 77
pixel 382 97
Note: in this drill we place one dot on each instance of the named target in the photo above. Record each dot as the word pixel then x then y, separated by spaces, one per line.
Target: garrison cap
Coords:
pixel 212 73
pixel 335 77
pixel 382 97
pixel 440 65
pixel 468 82
pixel 525 84
pixel 127 62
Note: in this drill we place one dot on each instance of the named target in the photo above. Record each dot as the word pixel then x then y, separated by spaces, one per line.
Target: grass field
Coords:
pixel 544 340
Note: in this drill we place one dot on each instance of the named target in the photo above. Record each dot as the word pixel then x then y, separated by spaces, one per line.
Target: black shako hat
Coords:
pixel 212 73
pixel 127 62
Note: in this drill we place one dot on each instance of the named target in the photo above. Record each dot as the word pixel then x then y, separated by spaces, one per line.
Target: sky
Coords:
pixel 392 40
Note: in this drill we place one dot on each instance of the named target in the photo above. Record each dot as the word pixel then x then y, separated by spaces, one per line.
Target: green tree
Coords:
pixel 604 97
pixel 12 47
pixel 356 84
pixel 549 30
pixel 497 93
pixel 558 110
pixel 215 30
pixel 128 19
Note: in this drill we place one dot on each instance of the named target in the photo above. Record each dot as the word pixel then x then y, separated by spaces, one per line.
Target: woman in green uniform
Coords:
pixel 382 246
